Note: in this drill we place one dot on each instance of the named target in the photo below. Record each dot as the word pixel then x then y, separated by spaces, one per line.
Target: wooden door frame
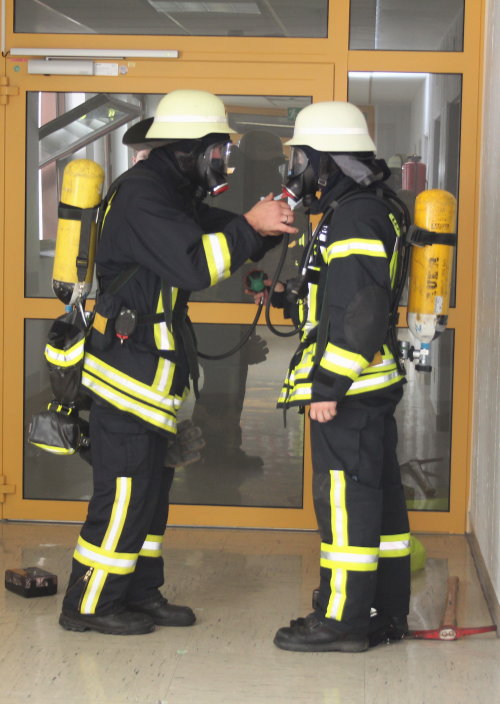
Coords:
pixel 271 58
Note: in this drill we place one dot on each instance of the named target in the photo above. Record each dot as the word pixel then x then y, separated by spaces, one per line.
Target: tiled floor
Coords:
pixel 243 585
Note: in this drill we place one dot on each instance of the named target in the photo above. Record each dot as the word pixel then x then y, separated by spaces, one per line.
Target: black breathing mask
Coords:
pixel 308 171
pixel 206 162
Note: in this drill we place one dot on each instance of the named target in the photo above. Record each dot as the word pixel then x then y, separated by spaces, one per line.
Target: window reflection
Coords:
pixel 272 18
pixel 406 25
pixel 424 428
pixel 250 458
pixel 414 119
pixel 66 126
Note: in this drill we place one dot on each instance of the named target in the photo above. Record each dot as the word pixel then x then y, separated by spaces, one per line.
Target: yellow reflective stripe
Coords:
pixel 133 387
pixel 373 382
pixel 340 361
pixel 338 594
pixel 351 558
pixel 395 255
pixel 218 256
pixel 313 305
pixel 113 562
pixel 338 508
pixel 164 339
pixel 157 417
pixel 54 450
pixel 65 358
pixel 339 527
pixel 93 591
pixel 118 513
pixel 164 376
pixel 355 246
pixel 152 546
pixel 395 545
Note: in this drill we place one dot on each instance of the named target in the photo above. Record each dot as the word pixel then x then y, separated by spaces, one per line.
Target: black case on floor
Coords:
pixel 30 581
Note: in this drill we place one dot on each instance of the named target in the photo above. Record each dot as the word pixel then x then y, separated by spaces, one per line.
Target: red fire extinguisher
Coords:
pixel 414 174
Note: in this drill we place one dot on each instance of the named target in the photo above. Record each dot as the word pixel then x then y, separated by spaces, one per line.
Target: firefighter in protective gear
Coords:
pixel 345 370
pixel 158 242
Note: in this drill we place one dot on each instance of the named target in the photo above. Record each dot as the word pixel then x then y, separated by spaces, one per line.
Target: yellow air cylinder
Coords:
pixel 431 266
pixel 81 188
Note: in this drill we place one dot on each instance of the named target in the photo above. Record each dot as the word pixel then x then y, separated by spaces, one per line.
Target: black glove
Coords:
pixel 185 447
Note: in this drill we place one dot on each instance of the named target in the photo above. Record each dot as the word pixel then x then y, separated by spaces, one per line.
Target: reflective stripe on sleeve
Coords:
pixel 340 361
pixel 355 246
pixel 218 256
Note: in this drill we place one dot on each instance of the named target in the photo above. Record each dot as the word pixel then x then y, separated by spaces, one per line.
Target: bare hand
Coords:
pixel 271 217
pixel 323 411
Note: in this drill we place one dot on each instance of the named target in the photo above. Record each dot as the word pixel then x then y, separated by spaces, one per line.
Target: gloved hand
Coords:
pixel 185 446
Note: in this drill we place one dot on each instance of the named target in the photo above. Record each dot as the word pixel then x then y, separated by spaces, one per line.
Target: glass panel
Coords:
pixel 250 459
pixel 47 476
pixel 262 125
pixel 406 25
pixel 62 127
pixel 232 18
pixel 66 126
pixel 424 425
pixel 414 119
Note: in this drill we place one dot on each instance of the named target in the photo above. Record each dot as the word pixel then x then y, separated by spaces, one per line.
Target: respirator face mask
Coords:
pixel 214 164
pixel 302 181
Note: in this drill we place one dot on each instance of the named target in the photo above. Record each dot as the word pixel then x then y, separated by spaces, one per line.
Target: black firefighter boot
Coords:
pixel 119 622
pixel 163 613
pixel 387 629
pixel 317 634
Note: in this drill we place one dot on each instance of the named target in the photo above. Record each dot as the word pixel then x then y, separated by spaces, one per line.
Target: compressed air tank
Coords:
pixel 431 266
pixel 81 192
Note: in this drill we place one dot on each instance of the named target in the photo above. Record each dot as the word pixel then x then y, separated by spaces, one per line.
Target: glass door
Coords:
pixel 254 471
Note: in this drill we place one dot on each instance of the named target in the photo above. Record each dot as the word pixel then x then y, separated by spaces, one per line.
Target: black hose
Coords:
pixel 240 344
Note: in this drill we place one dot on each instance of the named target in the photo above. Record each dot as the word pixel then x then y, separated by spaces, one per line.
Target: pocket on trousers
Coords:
pixel 124 444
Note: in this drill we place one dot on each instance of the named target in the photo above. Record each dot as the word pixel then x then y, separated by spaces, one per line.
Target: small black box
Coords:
pixel 30 581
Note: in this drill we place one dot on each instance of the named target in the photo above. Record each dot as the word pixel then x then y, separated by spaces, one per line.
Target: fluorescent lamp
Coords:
pixel 99 53
pixel 169 7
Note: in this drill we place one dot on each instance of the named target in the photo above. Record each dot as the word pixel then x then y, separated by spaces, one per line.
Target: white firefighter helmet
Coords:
pixel 189 114
pixel 335 126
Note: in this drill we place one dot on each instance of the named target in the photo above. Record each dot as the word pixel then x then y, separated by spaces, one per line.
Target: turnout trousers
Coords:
pixel 361 512
pixel 118 557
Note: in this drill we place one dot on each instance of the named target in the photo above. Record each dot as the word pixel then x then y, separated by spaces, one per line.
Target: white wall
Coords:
pixel 485 487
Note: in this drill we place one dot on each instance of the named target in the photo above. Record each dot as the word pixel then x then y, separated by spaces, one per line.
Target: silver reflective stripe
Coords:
pixel 127 383
pixel 150 545
pixel 63 358
pixel 104 560
pixel 395 545
pixel 371 381
pixel 348 557
pixel 125 403
pixel 342 362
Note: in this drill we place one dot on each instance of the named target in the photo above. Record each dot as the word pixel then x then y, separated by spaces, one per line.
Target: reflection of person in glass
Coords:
pixel 258 170
pixel 346 370
pixel 161 242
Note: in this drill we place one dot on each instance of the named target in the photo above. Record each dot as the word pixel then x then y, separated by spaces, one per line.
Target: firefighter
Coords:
pixel 159 242
pixel 345 370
